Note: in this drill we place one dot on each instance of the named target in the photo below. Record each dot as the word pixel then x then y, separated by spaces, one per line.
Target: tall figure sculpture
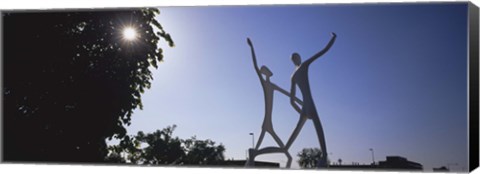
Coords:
pixel 308 110
pixel 267 126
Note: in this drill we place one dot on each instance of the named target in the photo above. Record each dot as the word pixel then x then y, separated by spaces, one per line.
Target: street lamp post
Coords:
pixel 373 155
pixel 253 140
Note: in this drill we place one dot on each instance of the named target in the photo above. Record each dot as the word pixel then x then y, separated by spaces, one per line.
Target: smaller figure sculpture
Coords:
pixel 267 126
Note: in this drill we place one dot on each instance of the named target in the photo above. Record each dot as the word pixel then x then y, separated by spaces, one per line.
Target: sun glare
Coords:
pixel 129 33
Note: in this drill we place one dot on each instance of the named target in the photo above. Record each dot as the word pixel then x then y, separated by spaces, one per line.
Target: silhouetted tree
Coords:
pixel 203 152
pixel 309 157
pixel 160 147
pixel 115 157
pixel 71 80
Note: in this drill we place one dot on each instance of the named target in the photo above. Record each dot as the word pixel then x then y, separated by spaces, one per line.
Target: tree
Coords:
pixel 203 152
pixel 160 147
pixel 71 81
pixel 309 157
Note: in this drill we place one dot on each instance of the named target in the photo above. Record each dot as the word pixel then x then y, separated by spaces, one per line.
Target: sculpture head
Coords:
pixel 296 59
pixel 264 70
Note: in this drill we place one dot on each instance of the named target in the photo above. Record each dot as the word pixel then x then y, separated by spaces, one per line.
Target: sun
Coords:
pixel 129 33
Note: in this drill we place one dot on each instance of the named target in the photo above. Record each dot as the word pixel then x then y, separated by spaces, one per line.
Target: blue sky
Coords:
pixel 395 80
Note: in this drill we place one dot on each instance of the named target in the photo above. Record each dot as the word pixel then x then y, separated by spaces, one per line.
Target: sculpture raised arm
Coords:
pixel 320 53
pixel 255 65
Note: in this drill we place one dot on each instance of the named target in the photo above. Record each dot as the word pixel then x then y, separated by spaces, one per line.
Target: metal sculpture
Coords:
pixel 267 126
pixel 308 110
pixel 305 107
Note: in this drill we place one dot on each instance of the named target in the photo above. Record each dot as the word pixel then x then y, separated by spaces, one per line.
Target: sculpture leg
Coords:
pixel 282 146
pixel 252 153
pixel 289 159
pixel 260 139
pixel 323 162
pixel 295 133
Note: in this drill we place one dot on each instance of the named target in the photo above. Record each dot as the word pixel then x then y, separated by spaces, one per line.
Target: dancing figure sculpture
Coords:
pixel 267 126
pixel 308 110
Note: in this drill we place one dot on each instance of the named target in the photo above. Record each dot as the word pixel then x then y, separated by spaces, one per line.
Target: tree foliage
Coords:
pixel 71 80
pixel 203 152
pixel 161 148
pixel 309 157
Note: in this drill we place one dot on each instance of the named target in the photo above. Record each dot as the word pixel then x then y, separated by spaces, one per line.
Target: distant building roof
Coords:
pixel 392 163
pixel 398 162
